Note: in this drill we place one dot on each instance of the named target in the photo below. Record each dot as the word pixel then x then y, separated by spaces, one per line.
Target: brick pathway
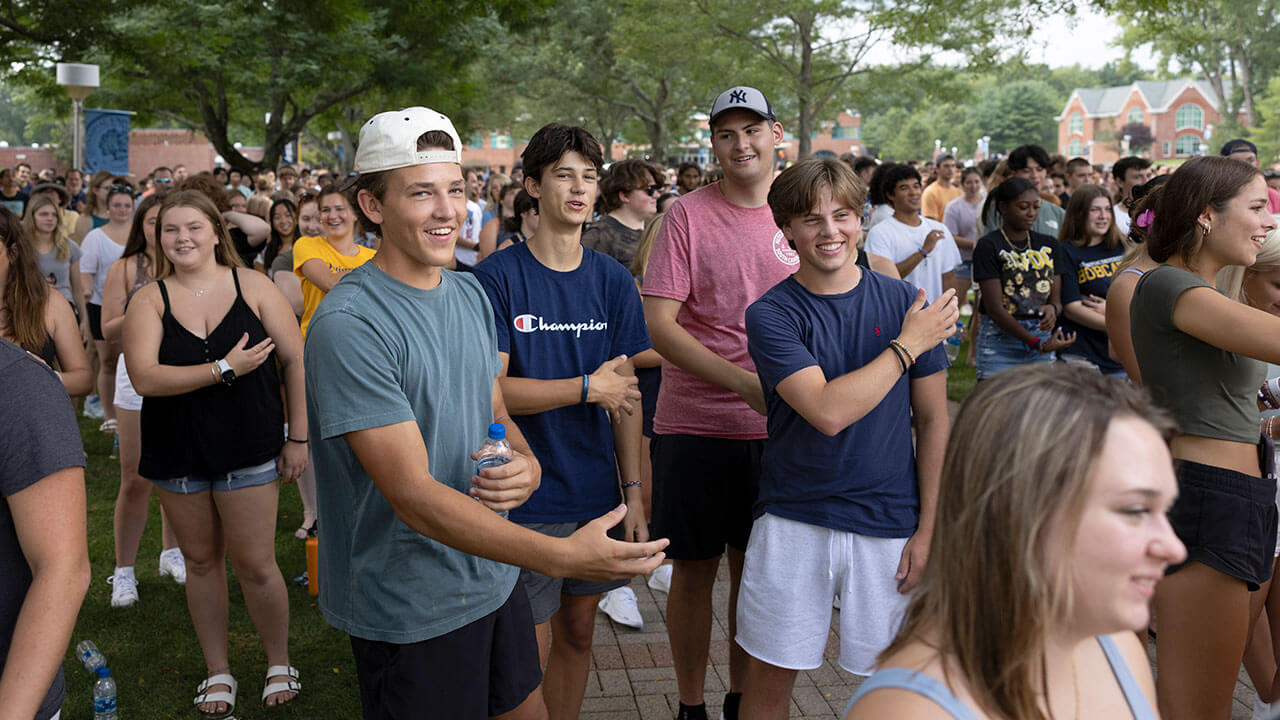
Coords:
pixel 632 677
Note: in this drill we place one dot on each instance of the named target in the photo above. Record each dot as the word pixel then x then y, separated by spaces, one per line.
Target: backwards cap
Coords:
pixel 389 140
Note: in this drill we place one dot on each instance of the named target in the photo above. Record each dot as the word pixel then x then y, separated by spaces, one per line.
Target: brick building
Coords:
pixel 1180 114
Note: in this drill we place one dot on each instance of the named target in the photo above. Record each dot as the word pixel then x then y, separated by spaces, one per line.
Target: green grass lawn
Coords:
pixel 151 647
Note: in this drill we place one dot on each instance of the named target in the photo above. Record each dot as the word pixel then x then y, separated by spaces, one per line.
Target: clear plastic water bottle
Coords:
pixel 90 656
pixel 104 696
pixel 496 450
pixel 954 342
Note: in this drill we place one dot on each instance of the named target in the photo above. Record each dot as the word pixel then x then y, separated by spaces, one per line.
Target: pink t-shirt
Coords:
pixel 1273 201
pixel 716 258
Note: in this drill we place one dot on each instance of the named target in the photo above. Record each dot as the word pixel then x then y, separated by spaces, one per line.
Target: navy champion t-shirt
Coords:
pixel 561 325
pixel 863 480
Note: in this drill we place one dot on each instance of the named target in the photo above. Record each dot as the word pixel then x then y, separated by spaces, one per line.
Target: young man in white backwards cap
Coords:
pixel 417 556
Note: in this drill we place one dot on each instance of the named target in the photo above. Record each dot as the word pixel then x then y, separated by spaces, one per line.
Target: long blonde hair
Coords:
pixel 644 248
pixel 61 245
pixel 990 596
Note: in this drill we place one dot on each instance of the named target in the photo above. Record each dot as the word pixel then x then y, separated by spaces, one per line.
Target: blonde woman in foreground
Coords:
pixel 1045 557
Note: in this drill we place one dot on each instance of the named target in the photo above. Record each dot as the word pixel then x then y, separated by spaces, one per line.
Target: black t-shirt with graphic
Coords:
pixel 1025 270
pixel 1088 271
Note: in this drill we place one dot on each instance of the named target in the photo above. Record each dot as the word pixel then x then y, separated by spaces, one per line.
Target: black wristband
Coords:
pixel 303 441
pixel 901 360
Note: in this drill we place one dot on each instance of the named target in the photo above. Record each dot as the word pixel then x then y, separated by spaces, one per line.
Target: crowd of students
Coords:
pixel 747 366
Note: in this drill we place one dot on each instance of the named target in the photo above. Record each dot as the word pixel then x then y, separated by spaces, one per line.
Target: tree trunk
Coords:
pixel 804 89
pixel 1246 85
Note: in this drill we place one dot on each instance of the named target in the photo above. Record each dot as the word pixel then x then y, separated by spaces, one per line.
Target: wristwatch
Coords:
pixel 224 369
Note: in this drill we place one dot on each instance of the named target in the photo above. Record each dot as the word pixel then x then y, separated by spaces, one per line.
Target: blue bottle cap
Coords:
pixel 104 672
pixel 497 431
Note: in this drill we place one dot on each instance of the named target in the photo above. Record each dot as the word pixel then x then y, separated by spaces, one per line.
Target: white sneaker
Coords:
pixel 1261 710
pixel 174 565
pixel 620 605
pixel 660 578
pixel 124 590
pixel 93 408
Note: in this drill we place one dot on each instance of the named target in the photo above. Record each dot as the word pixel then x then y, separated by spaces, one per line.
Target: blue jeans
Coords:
pixel 999 351
pixel 234 480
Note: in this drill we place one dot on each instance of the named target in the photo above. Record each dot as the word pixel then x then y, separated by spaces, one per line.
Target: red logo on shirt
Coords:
pixel 783 251
pixel 877 331
pixel 526 323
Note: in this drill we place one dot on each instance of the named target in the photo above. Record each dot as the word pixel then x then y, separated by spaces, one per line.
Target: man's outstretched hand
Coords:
pixel 590 554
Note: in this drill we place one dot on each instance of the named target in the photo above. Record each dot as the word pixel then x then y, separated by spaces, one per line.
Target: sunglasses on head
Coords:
pixel 121 187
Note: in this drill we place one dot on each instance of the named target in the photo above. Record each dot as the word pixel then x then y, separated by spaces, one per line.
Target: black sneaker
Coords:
pixel 730 710
pixel 692 712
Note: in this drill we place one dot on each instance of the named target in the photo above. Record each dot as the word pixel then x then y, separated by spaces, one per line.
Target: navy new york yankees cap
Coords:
pixel 744 98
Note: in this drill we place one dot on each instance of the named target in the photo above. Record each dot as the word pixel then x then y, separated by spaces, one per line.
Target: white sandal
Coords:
pixel 221 696
pixel 291 685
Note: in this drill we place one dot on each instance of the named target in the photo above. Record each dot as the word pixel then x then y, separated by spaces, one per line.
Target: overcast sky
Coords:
pixel 1059 41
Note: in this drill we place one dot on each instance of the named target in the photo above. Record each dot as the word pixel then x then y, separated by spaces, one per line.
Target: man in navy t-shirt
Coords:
pixel 848 359
pixel 568 322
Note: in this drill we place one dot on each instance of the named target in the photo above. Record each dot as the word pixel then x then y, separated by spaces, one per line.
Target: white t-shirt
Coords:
pixel 470 231
pixel 897 241
pixel 1122 219
pixel 98 252
pixel 878 215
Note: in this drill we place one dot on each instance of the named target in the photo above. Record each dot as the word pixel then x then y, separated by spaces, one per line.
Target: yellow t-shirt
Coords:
pixel 310 248
pixel 934 201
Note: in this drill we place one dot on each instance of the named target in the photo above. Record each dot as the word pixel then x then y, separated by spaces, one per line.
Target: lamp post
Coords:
pixel 79 80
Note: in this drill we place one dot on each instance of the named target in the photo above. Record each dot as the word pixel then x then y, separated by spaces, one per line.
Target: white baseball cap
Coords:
pixel 389 140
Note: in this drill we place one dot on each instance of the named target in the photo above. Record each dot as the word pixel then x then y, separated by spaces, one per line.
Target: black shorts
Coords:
pixel 703 492
pixel 650 381
pixel 95 320
pixel 477 671
pixel 1227 519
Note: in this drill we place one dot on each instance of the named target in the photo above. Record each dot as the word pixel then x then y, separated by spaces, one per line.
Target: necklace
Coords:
pixel 1025 246
pixel 197 293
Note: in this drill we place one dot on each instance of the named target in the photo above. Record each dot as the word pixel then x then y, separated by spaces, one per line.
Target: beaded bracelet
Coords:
pixel 911 358
pixel 631 484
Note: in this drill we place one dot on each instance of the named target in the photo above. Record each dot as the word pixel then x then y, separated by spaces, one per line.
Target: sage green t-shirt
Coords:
pixel 1210 391
pixel 380 352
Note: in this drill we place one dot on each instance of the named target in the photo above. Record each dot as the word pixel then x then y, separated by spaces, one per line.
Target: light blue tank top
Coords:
pixel 939 693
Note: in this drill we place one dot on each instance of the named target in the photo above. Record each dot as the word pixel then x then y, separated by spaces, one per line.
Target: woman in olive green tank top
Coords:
pixel 1200 355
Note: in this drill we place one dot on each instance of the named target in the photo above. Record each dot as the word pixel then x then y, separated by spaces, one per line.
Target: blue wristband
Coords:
pixel 586 383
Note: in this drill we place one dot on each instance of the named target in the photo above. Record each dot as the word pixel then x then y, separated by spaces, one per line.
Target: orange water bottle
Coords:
pixel 313 550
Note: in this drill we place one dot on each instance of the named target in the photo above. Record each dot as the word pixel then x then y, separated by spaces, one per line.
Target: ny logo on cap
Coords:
pixel 738 96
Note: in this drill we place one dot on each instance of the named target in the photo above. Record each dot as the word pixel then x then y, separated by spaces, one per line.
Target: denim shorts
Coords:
pixel 999 351
pixel 222 482
pixel 964 270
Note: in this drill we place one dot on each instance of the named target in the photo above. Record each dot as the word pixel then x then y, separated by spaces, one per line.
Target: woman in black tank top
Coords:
pixel 202 346
pixel 35 315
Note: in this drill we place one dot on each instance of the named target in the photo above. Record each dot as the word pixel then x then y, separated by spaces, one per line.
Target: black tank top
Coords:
pixel 216 428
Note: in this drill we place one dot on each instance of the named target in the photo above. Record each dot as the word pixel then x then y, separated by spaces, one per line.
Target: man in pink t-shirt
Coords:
pixel 718 252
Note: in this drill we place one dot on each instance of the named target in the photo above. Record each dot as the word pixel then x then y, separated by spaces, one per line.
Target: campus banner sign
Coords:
pixel 106 141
